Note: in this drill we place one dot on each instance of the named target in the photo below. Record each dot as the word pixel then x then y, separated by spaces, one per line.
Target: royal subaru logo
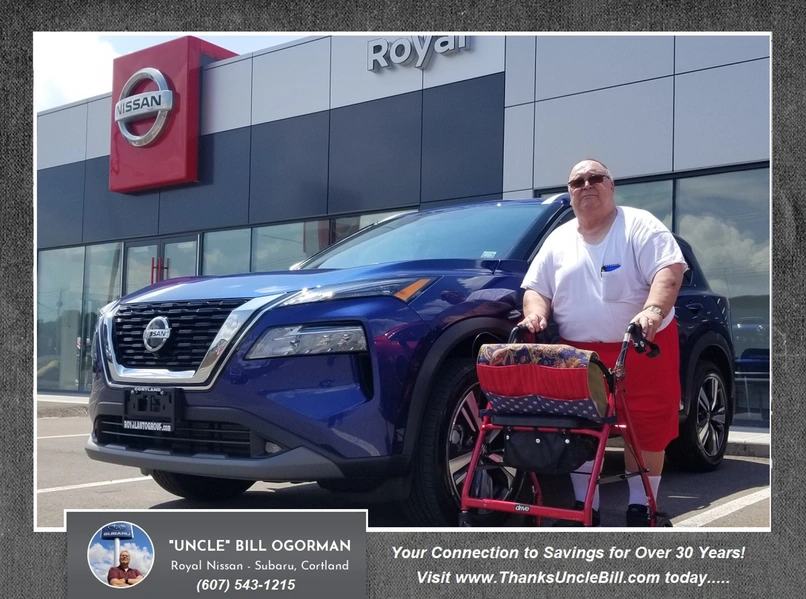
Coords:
pixel 137 107
pixel 157 333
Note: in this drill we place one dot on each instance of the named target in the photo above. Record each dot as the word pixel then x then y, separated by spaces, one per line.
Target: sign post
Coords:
pixel 117 531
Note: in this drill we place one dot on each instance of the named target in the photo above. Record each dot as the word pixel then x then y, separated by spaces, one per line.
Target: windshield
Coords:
pixel 478 232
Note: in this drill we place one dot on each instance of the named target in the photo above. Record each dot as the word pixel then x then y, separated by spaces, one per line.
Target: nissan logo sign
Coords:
pixel 137 107
pixel 156 334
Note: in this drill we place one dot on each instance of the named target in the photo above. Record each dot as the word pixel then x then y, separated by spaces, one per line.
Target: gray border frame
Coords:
pixel 772 568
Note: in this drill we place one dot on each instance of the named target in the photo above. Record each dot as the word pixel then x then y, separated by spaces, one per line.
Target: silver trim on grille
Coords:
pixel 221 348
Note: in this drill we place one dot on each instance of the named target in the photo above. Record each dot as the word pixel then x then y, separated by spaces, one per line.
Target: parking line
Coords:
pixel 63 436
pixel 100 484
pixel 724 509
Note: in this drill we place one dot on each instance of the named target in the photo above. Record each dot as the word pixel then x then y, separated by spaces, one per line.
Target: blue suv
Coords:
pixel 356 369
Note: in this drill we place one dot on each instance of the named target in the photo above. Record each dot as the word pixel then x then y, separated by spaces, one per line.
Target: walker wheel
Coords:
pixel 464 520
pixel 662 520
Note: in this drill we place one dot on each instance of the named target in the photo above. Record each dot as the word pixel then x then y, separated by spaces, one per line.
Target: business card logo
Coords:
pixel 137 107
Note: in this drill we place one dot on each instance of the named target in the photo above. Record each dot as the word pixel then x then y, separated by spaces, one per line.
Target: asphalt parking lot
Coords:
pixel 737 495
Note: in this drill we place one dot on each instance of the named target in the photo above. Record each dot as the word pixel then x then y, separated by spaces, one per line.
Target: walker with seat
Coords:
pixel 556 406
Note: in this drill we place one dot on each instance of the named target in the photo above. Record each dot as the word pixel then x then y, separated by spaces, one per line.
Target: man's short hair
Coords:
pixel 596 160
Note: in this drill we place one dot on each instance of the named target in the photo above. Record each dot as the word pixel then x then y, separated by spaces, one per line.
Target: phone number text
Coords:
pixel 224 585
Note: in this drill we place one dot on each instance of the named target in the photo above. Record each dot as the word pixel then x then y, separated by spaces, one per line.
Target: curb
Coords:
pixel 749 450
pixel 734 448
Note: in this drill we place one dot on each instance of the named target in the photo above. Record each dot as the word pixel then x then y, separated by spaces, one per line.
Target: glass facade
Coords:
pixel 226 252
pixel 60 288
pixel 347 225
pixel 654 197
pixel 102 278
pixel 139 266
pixel 278 247
pixel 725 217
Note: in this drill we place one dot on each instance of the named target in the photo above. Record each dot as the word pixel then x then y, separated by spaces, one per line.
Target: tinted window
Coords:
pixel 102 276
pixel 726 218
pixel 477 232
pixel 345 226
pixel 60 285
pixel 654 197
pixel 226 252
pixel 279 246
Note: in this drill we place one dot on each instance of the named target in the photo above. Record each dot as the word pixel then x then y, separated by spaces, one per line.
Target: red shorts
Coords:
pixel 652 384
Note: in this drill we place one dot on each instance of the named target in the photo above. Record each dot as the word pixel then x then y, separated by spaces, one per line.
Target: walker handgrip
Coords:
pixel 515 334
pixel 640 343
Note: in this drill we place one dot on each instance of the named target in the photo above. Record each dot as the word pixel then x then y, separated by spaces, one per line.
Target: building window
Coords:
pixel 102 281
pixel 226 252
pixel 726 219
pixel 60 281
pixel 654 197
pixel 277 247
pixel 347 225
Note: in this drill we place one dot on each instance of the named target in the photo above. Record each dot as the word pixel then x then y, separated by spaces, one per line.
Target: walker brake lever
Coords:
pixel 640 342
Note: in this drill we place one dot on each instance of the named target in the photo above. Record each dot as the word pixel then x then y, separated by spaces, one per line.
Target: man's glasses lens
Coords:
pixel 580 182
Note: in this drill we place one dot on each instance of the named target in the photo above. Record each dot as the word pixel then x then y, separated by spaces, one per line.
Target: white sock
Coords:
pixel 637 491
pixel 654 482
pixel 580 480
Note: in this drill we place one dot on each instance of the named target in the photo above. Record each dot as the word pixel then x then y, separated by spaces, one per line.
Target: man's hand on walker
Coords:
pixel 534 322
pixel 650 323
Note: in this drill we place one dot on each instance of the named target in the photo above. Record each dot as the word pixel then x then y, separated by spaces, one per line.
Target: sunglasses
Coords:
pixel 579 182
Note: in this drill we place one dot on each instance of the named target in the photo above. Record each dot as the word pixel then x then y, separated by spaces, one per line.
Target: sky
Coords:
pixel 72 66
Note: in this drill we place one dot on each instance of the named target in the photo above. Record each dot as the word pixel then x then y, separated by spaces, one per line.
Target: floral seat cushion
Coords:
pixel 541 379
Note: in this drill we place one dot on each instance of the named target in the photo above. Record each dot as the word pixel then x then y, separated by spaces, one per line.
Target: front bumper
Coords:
pixel 332 415
pixel 296 465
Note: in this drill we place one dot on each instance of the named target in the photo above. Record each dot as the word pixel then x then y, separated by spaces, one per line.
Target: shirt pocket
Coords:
pixel 615 285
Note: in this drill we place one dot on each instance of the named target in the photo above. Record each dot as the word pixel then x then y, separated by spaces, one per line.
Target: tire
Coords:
pixel 703 436
pixel 444 448
pixel 200 488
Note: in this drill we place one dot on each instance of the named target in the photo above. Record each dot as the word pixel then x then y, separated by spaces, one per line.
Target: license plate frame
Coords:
pixel 151 409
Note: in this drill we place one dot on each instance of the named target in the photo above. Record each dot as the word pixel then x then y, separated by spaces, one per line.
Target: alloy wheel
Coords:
pixel 712 414
pixel 500 481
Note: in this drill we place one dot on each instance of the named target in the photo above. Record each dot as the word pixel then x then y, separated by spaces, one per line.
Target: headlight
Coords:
pixel 96 334
pixel 405 289
pixel 308 340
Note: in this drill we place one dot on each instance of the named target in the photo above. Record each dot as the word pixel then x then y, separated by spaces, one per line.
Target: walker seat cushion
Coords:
pixel 552 380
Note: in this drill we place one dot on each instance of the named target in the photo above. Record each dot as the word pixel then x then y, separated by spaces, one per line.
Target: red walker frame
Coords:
pixel 617 418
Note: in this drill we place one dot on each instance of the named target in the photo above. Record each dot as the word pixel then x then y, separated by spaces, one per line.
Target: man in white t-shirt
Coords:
pixel 607 268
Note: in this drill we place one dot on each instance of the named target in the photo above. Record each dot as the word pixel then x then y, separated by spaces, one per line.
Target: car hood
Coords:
pixel 253 285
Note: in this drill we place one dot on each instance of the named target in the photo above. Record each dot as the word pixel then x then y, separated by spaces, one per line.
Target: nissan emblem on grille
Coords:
pixel 156 334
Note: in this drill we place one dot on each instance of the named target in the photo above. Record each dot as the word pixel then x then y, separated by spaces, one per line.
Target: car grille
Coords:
pixel 194 325
pixel 188 438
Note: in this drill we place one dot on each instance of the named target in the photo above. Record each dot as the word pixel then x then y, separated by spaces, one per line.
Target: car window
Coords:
pixel 479 232
pixel 568 216
pixel 688 276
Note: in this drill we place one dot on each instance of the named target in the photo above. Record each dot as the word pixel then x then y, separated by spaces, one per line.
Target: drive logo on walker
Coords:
pixel 155 114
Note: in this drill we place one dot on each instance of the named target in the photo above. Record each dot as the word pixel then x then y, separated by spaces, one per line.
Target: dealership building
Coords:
pixel 201 161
